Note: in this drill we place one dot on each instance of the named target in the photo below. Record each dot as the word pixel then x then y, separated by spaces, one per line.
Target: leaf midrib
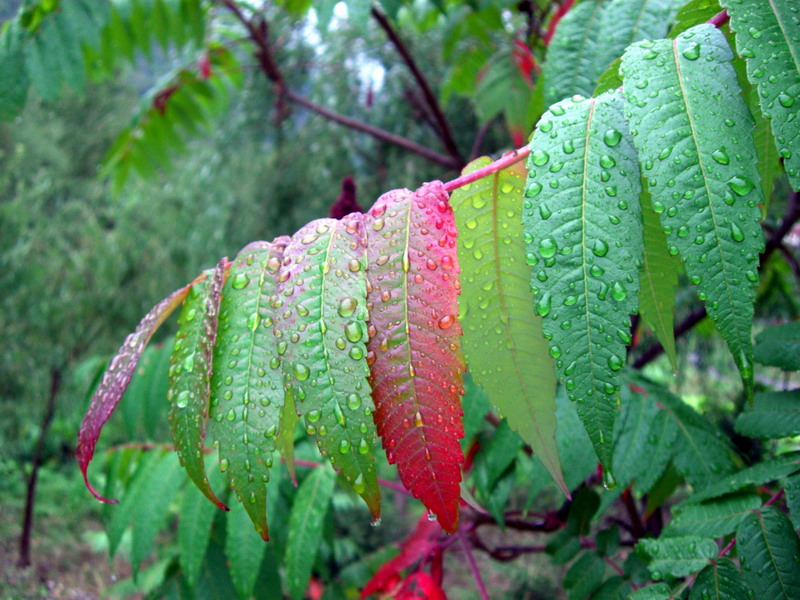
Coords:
pixel 763 532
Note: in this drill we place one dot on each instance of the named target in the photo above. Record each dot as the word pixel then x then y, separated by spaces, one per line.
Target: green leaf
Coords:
pixel 574 445
pixel 792 488
pixel 584 242
pixel 614 588
pixel 712 519
pixel 503 342
pixel 190 375
pixel 584 576
pixel 774 415
pixel 759 474
pixel 768 38
pixel 677 557
pixel 158 490
pixel 657 280
pixel 13 77
pixel 698 156
pixel 322 328
pixel 610 79
pixel 286 432
pixel 779 346
pixel 247 382
pixel 693 13
pixel 305 529
pixel 572 66
pixel 194 528
pixel 769 165
pixel 640 445
pixel 720 580
pixel 657 591
pixel 768 547
pixel 244 550
pixel 582 510
pixel 700 456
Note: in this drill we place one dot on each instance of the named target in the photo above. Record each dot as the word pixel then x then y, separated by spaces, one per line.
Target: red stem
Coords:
pixel 473 566
pixel 719 19
pixel 774 498
pixel 503 163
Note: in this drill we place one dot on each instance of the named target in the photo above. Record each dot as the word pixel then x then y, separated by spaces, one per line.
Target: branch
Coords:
pixel 693 318
pixel 473 566
pixel 443 128
pixel 503 163
pixel 257 30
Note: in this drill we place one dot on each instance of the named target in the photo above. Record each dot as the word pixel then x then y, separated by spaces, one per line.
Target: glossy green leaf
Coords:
pixel 583 232
pixel 657 280
pixel 712 519
pixel 572 66
pixel 247 383
pixel 773 415
pixel 769 548
pixel 697 153
pixel 693 13
pixel 768 38
pixel 284 441
pixel 321 324
pixel 759 474
pixel 677 557
pixel 243 549
pixel 610 79
pixel 305 529
pixel 194 527
pixel 779 346
pixel 721 580
pixel 190 375
pixel 769 165
pixel 503 342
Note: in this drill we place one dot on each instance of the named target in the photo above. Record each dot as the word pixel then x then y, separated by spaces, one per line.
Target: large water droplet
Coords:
pixel 547 247
pixel 736 233
pixel 740 185
pixel 612 137
pixel 692 52
pixel 539 157
pixel 353 331
pixel 600 248
pixel 224 463
pixel 347 307
pixel 301 372
pixel 240 281
pixel 543 305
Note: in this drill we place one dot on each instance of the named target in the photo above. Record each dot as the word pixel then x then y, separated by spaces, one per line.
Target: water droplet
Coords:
pixel 183 399
pixel 618 292
pixel 547 247
pixel 539 157
pixel 353 331
pixel 721 156
pixel 543 305
pixel 736 233
pixel 740 185
pixel 612 137
pixel 224 463
pixel 344 447
pixel 347 307
pixel 353 401
pixel 692 52
pixel 607 161
pixel 418 419
pixel 301 372
pixel 786 100
pixel 609 482
pixel 533 189
pixel 555 351
pixel 446 321
pixel 600 248
pixel 614 362
pixel 231 416
pixel 240 281
pixel 356 353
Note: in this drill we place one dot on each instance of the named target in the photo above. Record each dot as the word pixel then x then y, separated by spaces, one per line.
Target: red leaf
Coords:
pixel 116 379
pixel 559 14
pixel 415 547
pixel 414 348
pixel 420 586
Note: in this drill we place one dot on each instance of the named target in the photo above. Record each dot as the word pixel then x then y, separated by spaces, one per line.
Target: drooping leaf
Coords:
pixel 768 547
pixel 414 347
pixel 657 280
pixel 194 527
pixel 697 153
pixel 582 225
pixel 321 315
pixel 768 38
pixel 247 383
pixel 415 547
pixel 720 580
pixel 677 557
pixel 503 342
pixel 712 519
pixel 779 346
pixel 243 549
pixel 572 66
pixel 147 518
pixel 116 379
pixel 774 415
pixel 759 474
pixel 190 375
pixel 305 529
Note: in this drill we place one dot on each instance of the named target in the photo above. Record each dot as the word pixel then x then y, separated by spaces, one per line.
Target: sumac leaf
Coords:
pixel 190 376
pixel 414 346
pixel 247 384
pixel 321 315
pixel 116 379
pixel 720 580
pixel 769 547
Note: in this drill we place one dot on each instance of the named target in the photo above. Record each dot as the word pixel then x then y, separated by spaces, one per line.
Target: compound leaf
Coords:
pixel 190 375
pixel 503 342
pixel 696 148
pixel 768 38
pixel 414 346
pixel 247 383
pixel 768 547
pixel 322 328
pixel 583 229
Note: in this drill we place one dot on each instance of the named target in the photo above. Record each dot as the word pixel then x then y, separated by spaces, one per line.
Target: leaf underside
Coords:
pixel 694 135
pixel 247 383
pixel 190 375
pixel 321 315
pixel 503 342
pixel 583 232
pixel 414 346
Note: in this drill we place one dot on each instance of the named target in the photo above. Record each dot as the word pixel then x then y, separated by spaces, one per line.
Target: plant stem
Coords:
pixel 719 19
pixel 473 566
pixel 502 163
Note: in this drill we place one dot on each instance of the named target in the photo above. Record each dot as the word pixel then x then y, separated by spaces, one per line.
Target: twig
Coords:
pixel 479 137
pixel 503 163
pixel 774 498
pixel 473 566
pixel 728 547
pixel 719 19
pixel 442 126
pixel 693 318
